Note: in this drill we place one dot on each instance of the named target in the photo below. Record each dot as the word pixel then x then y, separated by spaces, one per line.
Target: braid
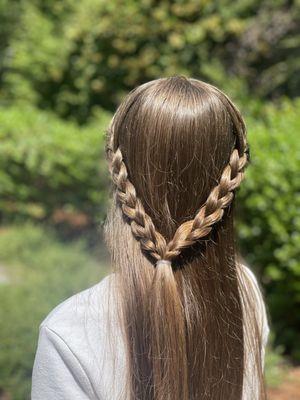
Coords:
pixel 141 223
pixel 189 232
pixel 212 211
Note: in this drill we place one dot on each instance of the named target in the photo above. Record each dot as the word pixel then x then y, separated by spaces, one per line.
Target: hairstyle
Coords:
pixel 177 150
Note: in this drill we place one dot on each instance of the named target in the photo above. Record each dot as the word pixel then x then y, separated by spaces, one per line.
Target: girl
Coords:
pixel 180 317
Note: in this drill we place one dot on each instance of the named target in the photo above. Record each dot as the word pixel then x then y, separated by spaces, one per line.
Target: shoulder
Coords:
pixel 72 345
pixel 250 283
pixel 79 310
pixel 74 358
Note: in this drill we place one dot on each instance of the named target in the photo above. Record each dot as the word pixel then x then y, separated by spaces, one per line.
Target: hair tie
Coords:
pixel 163 262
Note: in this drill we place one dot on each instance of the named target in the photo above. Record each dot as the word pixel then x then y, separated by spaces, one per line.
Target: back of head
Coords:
pixel 177 150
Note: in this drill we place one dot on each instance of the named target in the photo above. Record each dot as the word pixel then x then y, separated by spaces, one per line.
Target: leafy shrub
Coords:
pixel 276 366
pixel 40 273
pixel 269 228
pixel 47 164
pixel 74 56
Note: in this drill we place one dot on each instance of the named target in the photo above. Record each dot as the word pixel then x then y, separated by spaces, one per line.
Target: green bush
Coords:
pixel 74 56
pixel 269 229
pixel 276 366
pixel 47 164
pixel 39 273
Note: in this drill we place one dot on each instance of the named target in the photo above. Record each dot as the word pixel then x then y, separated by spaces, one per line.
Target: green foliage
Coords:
pixel 10 12
pixel 40 273
pixel 75 56
pixel 47 164
pixel 276 367
pixel 269 217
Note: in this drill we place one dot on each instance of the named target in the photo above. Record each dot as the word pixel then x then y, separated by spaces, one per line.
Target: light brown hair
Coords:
pixel 177 151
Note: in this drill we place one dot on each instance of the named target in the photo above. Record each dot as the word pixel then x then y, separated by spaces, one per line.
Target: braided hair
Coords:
pixel 211 212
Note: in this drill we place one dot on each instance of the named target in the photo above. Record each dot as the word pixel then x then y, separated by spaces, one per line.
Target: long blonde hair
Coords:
pixel 177 150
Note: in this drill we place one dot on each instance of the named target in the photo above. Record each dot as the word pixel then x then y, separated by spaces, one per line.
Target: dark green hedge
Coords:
pixel 47 165
pixel 269 229
pixel 74 56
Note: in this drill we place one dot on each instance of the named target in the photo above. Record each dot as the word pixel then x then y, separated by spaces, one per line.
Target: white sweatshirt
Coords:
pixel 74 360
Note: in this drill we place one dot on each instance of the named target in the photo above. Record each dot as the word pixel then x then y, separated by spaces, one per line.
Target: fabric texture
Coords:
pixel 74 358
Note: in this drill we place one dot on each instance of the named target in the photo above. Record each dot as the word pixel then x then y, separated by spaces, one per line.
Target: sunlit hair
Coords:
pixel 177 151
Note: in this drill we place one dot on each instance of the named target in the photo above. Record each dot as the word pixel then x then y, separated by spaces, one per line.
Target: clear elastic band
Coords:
pixel 163 262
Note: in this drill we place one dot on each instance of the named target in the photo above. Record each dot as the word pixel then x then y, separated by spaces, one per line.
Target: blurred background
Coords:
pixel 64 67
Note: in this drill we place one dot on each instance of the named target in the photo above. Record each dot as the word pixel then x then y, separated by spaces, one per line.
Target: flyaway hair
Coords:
pixel 177 151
